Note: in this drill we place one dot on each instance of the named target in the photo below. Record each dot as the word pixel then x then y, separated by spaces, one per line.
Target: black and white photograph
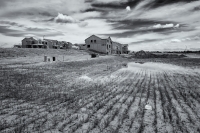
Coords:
pixel 99 66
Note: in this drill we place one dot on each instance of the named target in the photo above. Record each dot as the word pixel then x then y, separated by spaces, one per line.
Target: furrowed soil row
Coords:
pixel 127 121
pixel 149 117
pixel 105 101
pixel 133 110
pixel 188 95
pixel 137 125
pixel 117 122
pixel 114 111
pixel 161 103
pixel 186 101
pixel 192 86
pixel 55 106
pixel 129 101
pixel 143 101
pixel 155 103
pixel 104 113
pixel 98 113
pixel 171 116
pixel 184 119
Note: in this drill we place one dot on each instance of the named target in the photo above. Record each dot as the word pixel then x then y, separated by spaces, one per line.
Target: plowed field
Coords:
pixel 100 96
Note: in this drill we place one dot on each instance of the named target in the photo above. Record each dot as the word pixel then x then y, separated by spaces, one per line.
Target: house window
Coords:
pixel 94 41
pixel 109 46
pixel 88 46
pixel 46 42
pixel 91 41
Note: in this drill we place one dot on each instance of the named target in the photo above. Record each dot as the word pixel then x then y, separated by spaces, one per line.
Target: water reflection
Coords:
pixel 132 66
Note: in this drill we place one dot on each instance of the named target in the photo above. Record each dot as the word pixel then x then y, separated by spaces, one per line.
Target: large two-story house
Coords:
pixel 106 46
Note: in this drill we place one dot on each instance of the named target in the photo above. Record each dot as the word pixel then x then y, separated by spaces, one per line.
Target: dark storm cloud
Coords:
pixel 196 8
pixel 133 3
pixel 109 5
pixel 11 23
pixel 48 14
pixel 93 9
pixel 158 3
pixel 37 29
pixel 5 30
pixel 88 1
pixel 143 31
pixel 132 24
pixel 115 5
pixel 145 41
pixel 144 26
pixel 30 12
pixel 3 3
pixel 23 34
pixel 8 31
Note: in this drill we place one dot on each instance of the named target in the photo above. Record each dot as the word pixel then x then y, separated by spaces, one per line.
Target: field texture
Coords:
pixel 105 95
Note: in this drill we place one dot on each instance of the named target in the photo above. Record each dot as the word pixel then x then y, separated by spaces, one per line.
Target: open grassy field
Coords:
pixel 102 95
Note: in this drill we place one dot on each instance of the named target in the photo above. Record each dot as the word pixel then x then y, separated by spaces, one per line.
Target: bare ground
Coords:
pixel 101 95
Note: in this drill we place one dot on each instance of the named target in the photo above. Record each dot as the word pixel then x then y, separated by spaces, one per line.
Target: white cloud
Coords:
pixel 177 26
pixel 158 26
pixel 86 15
pixel 128 8
pixel 175 40
pixel 61 18
pixel 168 26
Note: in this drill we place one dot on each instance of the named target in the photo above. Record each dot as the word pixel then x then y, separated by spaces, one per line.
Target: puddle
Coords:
pixel 152 66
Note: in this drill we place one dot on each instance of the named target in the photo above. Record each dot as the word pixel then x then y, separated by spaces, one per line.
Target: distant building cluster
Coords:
pixel 92 43
pixel 106 46
pixel 45 43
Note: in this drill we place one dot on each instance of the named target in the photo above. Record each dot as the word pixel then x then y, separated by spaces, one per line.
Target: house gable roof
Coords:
pixel 100 38
pixel 30 39
pixel 94 36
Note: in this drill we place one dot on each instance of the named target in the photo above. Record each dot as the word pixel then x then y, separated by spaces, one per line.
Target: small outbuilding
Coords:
pixel 49 58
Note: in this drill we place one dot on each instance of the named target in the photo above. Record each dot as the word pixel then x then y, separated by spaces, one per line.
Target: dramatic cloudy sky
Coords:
pixel 143 24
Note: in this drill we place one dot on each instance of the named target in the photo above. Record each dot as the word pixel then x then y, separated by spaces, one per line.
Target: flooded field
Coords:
pixel 157 67
pixel 106 95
